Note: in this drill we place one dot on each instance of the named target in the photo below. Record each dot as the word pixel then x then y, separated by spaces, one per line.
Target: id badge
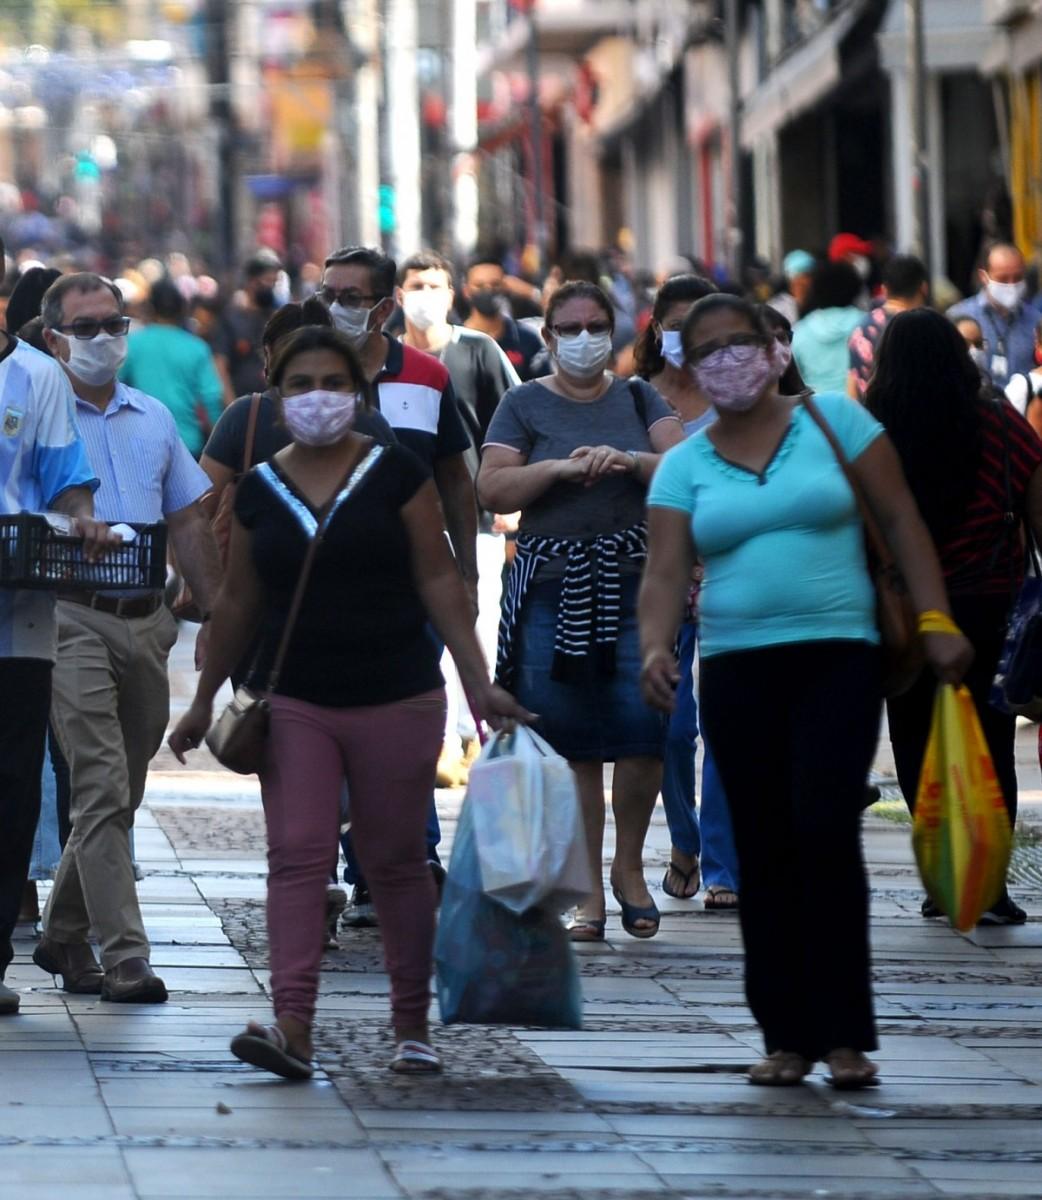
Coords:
pixel 999 366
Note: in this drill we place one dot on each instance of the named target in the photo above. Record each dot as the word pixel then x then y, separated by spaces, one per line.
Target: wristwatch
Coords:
pixel 635 455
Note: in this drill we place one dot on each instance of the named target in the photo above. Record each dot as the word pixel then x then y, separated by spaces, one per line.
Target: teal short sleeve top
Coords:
pixel 784 551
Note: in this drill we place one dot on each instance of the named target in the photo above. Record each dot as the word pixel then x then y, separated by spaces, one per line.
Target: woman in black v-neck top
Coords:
pixel 360 693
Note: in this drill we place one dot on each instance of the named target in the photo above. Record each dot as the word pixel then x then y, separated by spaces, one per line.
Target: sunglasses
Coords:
pixel 84 330
pixel 346 299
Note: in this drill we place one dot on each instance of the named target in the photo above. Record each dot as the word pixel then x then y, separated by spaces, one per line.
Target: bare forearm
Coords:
pixel 461 524
pixel 197 556
pixel 510 489
pixel 74 502
pixel 233 626
pixel 449 611
pixel 660 607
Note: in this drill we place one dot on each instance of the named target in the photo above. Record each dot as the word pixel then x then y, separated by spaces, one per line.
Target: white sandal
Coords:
pixel 415 1058
pixel 265 1046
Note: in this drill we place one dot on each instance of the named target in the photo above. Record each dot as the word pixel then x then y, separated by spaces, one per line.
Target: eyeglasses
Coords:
pixel 84 330
pixel 346 299
pixel 572 329
pixel 737 339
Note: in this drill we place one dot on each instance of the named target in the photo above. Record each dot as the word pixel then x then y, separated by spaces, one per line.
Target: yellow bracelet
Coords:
pixel 935 621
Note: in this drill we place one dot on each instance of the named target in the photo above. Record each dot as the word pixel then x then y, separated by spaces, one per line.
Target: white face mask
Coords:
pixel 585 354
pixel 427 307
pixel 672 350
pixel 353 323
pixel 96 362
pixel 319 418
pixel 1006 295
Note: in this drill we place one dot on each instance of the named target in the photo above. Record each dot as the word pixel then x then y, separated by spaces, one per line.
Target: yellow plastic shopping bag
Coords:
pixel 961 833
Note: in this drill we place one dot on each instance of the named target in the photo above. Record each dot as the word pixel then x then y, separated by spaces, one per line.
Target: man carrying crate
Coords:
pixel 43 465
pixel 111 691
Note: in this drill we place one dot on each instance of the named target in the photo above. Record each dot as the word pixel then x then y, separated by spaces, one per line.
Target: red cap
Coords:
pixel 848 243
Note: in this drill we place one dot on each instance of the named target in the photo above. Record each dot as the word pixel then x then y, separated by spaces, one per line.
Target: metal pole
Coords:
pixel 218 19
pixel 536 117
pixel 736 213
pixel 923 235
pixel 464 127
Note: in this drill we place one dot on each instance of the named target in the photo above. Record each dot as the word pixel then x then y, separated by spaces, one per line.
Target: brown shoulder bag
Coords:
pixel 895 615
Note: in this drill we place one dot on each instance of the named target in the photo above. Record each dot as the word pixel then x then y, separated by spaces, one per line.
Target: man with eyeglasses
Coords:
pixel 111 692
pixel 43 466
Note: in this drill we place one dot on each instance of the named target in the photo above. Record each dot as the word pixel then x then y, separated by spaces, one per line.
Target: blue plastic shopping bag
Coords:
pixel 494 966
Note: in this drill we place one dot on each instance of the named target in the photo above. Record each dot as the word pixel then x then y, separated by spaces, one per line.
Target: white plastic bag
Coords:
pixel 528 824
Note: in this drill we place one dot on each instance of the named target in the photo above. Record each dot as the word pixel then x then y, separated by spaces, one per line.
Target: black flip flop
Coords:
pixel 631 914
pixel 686 876
pixel 265 1046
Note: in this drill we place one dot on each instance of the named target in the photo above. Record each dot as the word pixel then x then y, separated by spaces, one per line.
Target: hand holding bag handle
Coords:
pixel 239 736
pixel 902 649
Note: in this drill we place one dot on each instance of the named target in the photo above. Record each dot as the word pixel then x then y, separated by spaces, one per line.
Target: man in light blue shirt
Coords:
pixel 1006 320
pixel 111 692
pixel 42 466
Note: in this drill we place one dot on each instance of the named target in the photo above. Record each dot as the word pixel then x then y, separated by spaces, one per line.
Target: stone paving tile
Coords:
pixel 748 1187
pixel 84 1119
pixel 823 1129
pixel 237 1089
pixel 787 1162
pixel 329 1127
pixel 278 1173
pixel 48 1173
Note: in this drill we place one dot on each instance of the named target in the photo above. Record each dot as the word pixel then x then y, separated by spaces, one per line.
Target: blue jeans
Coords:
pixel 707 832
pixel 50 836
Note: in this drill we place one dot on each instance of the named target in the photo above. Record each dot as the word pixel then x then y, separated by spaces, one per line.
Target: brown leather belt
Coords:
pixel 118 606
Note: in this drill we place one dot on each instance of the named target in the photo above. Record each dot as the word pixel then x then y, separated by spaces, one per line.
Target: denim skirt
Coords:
pixel 595 717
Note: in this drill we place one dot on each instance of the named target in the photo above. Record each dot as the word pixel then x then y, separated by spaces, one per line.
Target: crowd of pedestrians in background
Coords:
pixel 623 497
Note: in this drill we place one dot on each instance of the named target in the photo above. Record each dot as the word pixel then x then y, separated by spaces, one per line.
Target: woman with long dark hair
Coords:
pixel 788 629
pixel 970 458
pixel 701 842
pixel 790 382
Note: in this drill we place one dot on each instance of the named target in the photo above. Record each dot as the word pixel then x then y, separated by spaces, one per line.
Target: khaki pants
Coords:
pixel 111 703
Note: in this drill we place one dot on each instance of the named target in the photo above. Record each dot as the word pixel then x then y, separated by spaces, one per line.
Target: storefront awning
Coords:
pixel 1015 50
pixel 798 82
pixel 955 33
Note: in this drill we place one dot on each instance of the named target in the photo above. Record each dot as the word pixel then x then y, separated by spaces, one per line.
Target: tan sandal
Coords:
pixel 850 1070
pixel 783 1068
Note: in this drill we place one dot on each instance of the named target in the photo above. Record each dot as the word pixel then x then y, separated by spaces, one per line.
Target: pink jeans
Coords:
pixel 388 754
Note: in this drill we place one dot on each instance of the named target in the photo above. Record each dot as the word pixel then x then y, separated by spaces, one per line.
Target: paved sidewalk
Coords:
pixel 113 1102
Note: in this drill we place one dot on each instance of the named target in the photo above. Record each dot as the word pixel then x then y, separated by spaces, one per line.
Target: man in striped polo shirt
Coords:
pixel 111 693
pixel 414 393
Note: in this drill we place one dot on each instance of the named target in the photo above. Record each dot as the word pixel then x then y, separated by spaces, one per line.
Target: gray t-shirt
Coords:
pixel 543 425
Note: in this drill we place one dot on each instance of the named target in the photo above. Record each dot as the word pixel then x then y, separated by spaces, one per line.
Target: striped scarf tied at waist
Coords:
pixel 587 623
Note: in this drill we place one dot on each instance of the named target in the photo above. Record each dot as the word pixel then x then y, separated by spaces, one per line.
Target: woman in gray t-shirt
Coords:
pixel 574 452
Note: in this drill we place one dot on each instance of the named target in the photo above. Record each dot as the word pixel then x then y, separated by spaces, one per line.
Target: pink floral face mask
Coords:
pixel 319 418
pixel 734 377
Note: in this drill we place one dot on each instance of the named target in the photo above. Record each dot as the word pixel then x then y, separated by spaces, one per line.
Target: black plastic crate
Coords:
pixel 34 555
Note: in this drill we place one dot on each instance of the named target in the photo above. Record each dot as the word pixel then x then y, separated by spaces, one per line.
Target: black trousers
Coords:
pixel 983 620
pixel 25 701
pixel 793 730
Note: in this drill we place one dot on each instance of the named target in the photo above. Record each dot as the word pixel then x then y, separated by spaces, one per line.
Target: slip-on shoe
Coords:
pixel 80 971
pixel 133 981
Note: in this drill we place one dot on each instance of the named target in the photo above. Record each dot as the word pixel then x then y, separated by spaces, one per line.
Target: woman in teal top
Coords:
pixel 789 641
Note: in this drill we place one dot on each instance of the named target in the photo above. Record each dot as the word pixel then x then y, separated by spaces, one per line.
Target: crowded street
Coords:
pixel 520 599
pixel 649 1099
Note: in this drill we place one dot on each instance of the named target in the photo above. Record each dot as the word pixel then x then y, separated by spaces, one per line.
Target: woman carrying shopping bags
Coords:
pixel 790 673
pixel 360 694
pixel 702 844
pixel 970 458
pixel 573 452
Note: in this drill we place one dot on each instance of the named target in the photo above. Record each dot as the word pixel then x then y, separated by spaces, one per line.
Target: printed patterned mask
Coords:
pixel 734 377
pixel 319 418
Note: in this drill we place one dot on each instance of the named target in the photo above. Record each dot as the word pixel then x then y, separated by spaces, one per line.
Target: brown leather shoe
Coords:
pixel 74 961
pixel 133 982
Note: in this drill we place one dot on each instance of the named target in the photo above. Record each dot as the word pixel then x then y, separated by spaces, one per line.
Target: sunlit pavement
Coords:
pixel 106 1101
